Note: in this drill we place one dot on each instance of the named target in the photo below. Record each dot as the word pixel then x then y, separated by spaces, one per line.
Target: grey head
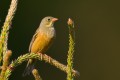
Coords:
pixel 48 22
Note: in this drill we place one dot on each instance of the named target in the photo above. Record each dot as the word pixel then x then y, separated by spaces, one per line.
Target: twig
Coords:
pixel 38 56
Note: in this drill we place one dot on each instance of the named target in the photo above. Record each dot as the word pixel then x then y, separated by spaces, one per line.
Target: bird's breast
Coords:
pixel 43 41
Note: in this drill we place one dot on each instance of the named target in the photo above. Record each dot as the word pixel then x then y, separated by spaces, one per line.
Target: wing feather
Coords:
pixel 33 39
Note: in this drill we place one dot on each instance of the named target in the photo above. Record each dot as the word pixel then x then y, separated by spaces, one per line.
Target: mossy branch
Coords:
pixel 38 56
pixel 6 27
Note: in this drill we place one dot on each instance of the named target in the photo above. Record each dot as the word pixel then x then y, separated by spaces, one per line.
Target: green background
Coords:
pixel 97 25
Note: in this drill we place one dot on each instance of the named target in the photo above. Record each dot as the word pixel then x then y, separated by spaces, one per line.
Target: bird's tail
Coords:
pixel 29 68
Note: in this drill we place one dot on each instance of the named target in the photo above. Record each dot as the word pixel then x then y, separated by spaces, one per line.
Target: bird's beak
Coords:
pixel 54 19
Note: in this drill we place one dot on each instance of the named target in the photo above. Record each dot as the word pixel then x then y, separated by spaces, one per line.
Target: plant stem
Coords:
pixel 71 49
pixel 6 27
pixel 36 74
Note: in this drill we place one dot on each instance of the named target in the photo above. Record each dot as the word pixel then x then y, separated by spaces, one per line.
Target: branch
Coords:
pixel 38 56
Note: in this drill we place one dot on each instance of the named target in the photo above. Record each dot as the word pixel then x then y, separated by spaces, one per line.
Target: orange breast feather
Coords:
pixel 41 43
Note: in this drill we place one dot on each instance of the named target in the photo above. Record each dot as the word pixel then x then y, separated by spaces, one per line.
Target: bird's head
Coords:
pixel 48 21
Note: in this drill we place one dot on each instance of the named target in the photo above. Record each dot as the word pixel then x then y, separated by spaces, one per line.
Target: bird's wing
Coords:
pixel 33 38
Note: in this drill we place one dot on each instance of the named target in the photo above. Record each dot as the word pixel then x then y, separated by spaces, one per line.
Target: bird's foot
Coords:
pixel 48 57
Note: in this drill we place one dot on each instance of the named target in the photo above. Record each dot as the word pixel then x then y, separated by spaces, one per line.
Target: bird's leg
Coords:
pixel 41 55
pixel 44 56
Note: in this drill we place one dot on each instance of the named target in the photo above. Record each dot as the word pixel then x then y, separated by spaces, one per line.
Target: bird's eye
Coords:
pixel 48 19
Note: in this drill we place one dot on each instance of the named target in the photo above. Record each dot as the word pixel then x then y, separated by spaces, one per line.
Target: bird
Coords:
pixel 41 40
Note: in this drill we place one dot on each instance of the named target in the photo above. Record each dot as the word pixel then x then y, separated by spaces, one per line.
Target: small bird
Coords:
pixel 41 41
